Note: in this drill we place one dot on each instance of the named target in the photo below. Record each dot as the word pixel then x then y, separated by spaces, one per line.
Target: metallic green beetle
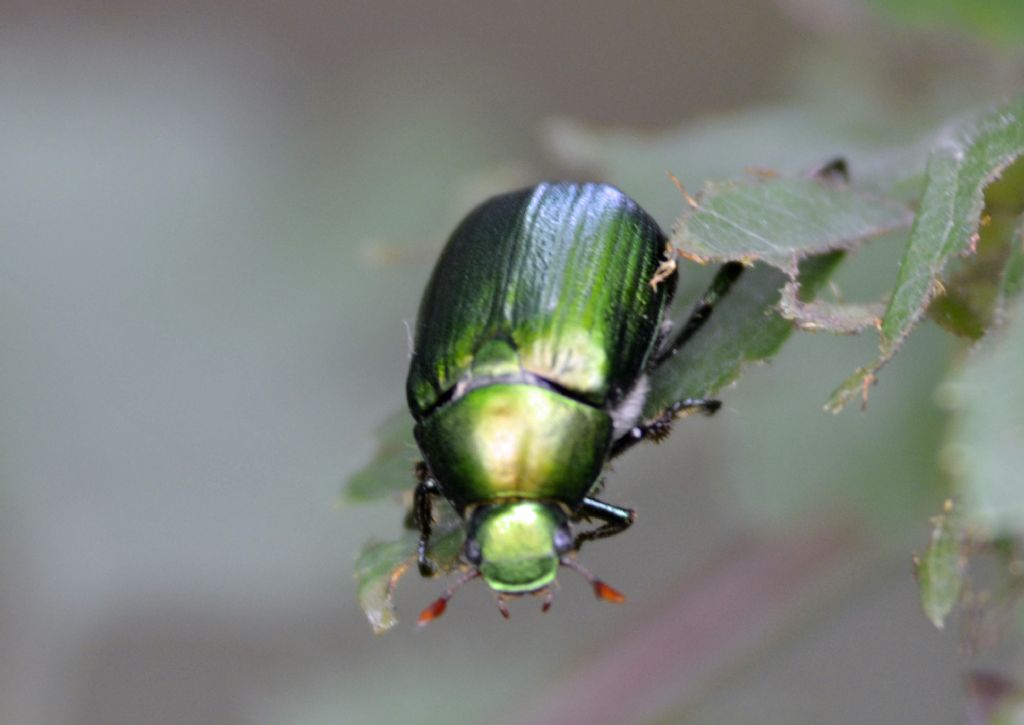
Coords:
pixel 528 374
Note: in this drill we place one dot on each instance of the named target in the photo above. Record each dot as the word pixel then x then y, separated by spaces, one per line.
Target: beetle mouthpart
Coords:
pixel 436 609
pixel 502 607
pixel 601 590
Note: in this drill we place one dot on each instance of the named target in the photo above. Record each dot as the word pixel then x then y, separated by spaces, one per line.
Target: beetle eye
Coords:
pixel 472 552
pixel 563 540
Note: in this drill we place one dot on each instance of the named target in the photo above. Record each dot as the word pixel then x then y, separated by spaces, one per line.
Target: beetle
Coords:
pixel 540 322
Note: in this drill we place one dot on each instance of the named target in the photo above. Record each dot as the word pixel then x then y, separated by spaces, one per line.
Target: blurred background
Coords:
pixel 216 219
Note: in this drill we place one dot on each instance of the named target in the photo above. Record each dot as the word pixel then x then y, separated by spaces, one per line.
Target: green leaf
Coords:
pixel 964 163
pixel 390 470
pixel 779 221
pixel 782 220
pixel 381 564
pixel 745 327
pixel 378 565
pixel 950 211
pixel 837 318
pixel 985 453
pixel 972 297
pixel 940 571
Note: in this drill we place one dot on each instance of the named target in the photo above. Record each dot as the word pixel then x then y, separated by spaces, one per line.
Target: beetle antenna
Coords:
pixel 601 590
pixel 436 609
pixel 548 596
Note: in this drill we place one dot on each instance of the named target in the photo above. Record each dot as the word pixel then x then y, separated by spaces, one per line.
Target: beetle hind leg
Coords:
pixel 422 515
pixel 657 429
pixel 616 520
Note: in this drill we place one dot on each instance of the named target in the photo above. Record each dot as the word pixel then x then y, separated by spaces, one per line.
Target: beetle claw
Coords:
pixel 665 270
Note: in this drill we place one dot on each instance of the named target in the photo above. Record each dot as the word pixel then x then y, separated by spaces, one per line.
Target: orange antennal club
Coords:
pixel 436 609
pixel 601 590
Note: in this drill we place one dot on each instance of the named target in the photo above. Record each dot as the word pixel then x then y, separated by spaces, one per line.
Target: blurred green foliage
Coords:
pixel 985 449
pixel 997 21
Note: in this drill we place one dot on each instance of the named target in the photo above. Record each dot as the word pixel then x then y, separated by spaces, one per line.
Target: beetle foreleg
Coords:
pixel 616 520
pixel 423 516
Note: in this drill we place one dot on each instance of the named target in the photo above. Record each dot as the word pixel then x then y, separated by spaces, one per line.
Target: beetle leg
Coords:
pixel 616 520
pixel 423 516
pixel 658 428
pixel 727 274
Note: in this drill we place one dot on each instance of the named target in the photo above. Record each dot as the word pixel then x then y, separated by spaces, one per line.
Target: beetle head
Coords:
pixel 517 547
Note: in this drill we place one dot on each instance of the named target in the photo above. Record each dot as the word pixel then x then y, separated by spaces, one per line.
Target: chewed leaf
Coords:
pixel 381 564
pixel 745 327
pixel 940 570
pixel 947 222
pixel 390 471
pixel 839 318
pixel 959 169
pixel 781 220
pixel 378 566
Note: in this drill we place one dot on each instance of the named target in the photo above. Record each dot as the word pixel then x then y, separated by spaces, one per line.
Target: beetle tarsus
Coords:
pixel 658 429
